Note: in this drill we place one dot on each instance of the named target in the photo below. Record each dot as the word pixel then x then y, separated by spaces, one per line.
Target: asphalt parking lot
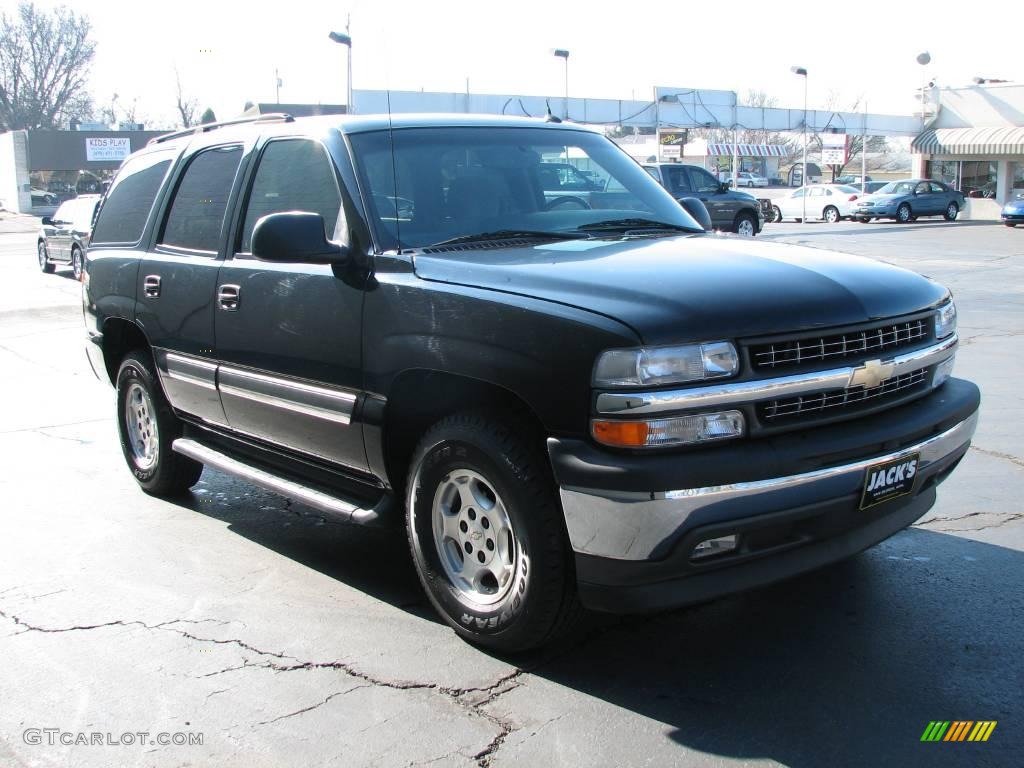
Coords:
pixel 285 640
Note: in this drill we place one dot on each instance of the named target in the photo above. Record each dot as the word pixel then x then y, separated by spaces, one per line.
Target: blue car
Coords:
pixel 910 199
pixel 1013 211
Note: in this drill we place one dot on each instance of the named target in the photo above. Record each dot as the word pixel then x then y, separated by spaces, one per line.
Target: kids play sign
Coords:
pixel 106 149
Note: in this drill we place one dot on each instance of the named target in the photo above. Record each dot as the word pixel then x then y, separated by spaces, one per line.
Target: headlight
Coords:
pixel 664 433
pixel 945 320
pixel 646 366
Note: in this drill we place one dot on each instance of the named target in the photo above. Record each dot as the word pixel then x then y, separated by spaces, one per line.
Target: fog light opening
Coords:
pixel 716 546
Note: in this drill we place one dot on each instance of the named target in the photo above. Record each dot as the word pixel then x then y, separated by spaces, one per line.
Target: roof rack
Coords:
pixel 272 117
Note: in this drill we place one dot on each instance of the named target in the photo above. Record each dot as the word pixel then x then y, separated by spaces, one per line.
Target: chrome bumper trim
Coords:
pixel 640 403
pixel 634 526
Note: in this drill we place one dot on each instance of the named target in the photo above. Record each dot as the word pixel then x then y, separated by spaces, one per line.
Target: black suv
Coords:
pixel 595 405
pixel 730 210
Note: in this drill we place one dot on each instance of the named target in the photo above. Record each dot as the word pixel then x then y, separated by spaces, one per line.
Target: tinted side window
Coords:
pixel 130 198
pixel 293 175
pixel 197 213
pixel 703 181
pixel 936 187
pixel 675 180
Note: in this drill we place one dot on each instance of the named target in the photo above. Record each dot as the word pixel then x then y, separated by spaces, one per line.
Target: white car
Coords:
pixel 825 202
pixel 750 180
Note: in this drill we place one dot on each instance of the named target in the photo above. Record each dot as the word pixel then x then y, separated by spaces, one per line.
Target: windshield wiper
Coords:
pixel 635 225
pixel 508 234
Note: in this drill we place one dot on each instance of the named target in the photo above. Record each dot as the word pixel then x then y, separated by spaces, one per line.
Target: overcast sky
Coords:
pixel 226 53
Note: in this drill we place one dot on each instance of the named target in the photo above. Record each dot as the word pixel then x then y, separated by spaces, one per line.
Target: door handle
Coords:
pixel 151 286
pixel 228 297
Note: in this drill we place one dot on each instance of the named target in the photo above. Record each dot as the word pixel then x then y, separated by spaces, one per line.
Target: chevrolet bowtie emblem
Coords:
pixel 871 374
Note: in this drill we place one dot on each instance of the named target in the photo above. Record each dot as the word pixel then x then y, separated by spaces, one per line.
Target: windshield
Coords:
pixel 897 188
pixel 449 183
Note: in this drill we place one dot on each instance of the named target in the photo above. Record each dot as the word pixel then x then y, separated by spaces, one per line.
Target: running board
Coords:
pixel 330 505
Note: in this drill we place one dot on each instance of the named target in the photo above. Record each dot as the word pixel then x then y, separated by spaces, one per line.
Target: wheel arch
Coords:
pixel 419 398
pixel 120 337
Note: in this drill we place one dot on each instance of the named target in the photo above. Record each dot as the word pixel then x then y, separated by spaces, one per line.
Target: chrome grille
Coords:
pixel 841 398
pixel 858 344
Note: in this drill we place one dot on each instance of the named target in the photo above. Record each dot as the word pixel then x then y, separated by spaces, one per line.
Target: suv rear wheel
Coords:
pixel 147 427
pixel 487 536
pixel 77 264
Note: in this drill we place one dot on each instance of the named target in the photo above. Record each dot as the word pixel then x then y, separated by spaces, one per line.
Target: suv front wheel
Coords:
pixel 487 536
pixel 745 225
pixel 147 427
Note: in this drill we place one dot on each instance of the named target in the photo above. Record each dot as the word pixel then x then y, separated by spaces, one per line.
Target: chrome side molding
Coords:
pixel 622 403
pixel 330 505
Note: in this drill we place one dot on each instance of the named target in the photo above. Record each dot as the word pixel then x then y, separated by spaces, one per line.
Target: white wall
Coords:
pixel 14 179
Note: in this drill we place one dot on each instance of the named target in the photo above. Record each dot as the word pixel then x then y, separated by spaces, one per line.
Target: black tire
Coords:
pixel 168 473
pixel 745 224
pixel 43 255
pixel 864 220
pixel 77 263
pixel 538 602
pixel 831 214
pixel 777 213
pixel 952 211
pixel 903 213
pixel 1010 223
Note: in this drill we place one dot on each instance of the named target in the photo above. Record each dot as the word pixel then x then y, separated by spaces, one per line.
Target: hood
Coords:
pixel 695 288
pixel 1014 205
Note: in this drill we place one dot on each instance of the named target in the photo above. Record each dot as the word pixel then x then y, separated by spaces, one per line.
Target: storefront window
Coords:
pixel 943 170
pixel 51 188
pixel 1016 178
pixel 978 178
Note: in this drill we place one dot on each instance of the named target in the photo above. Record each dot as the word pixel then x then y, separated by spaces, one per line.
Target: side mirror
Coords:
pixel 48 222
pixel 698 211
pixel 724 187
pixel 295 237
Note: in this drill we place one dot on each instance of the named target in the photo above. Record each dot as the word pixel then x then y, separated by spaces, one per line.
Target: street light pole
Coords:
pixel 346 40
pixel 802 72
pixel 561 53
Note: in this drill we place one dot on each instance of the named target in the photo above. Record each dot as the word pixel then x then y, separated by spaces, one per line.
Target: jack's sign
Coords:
pixel 835 148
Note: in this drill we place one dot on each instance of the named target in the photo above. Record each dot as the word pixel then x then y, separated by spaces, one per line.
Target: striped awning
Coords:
pixel 747 150
pixel 970 141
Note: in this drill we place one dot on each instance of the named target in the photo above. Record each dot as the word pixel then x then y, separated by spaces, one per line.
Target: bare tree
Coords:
pixel 186 107
pixel 44 63
pixel 833 103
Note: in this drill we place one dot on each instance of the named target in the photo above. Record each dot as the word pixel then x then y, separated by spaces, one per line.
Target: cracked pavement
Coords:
pixel 288 640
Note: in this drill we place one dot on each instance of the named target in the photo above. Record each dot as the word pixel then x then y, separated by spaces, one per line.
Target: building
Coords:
pixel 762 159
pixel 975 142
pixel 41 169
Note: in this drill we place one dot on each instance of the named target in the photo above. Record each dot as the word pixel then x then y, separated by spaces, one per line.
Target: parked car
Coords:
pixel 42 197
pixel 852 180
pixel 910 199
pixel 730 210
pixel 751 180
pixel 604 407
pixel 1013 212
pixel 825 202
pixel 64 237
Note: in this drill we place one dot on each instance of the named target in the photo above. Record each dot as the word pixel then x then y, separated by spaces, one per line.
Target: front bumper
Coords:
pixel 879 212
pixel 633 545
